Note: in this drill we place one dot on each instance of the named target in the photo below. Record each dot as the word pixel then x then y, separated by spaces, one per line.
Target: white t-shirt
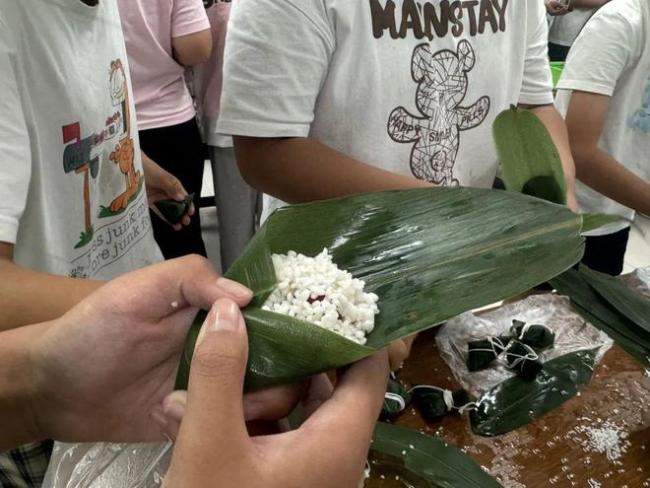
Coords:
pixel 73 198
pixel 208 77
pixel 565 29
pixel 612 57
pixel 410 87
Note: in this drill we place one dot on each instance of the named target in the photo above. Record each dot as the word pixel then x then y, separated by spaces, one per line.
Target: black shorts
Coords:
pixel 606 253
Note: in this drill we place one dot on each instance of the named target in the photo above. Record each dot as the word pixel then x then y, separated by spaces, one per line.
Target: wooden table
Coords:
pixel 547 453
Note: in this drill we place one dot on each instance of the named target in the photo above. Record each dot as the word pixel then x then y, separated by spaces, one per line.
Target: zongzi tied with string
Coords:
pixel 434 403
pixel 538 337
pixel 523 359
pixel 481 354
pixel 396 399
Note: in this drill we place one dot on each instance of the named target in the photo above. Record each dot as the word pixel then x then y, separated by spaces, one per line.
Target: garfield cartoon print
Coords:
pixel 123 154
pixel 435 132
pixel 85 155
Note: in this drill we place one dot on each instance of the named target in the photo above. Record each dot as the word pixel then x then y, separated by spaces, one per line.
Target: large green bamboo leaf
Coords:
pixel 424 461
pixel 429 254
pixel 603 315
pixel 530 163
pixel 529 160
pixel 629 303
pixel 594 221
pixel 516 402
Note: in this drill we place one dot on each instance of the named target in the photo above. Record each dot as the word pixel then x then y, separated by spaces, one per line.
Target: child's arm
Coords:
pixel 25 296
pixel 586 4
pixel 301 169
pixel 594 167
pixel 29 297
pixel 192 49
pixel 191 35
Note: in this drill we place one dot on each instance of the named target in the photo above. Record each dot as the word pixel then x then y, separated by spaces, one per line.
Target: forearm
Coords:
pixel 586 4
pixel 29 297
pixel 600 171
pixel 148 164
pixel 557 129
pixel 586 116
pixel 17 398
pixel 302 169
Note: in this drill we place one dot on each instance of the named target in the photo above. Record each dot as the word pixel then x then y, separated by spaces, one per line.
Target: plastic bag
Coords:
pixel 572 333
pixel 104 465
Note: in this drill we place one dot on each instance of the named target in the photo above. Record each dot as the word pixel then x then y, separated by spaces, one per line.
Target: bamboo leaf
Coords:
pixel 544 187
pixel 174 210
pixel 629 303
pixel 429 254
pixel 529 160
pixel 430 461
pixel 256 271
pixel 637 347
pixel 516 402
pixel 595 309
pixel 594 221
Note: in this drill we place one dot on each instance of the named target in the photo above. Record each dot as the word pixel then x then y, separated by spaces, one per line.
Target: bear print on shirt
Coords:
pixel 435 131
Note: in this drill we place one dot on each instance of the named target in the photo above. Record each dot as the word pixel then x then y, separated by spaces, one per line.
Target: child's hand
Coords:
pixel 214 448
pixel 555 8
pixel 162 185
pixel 399 351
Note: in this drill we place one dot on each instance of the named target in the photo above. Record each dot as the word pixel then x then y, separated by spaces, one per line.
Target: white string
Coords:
pixel 524 329
pixel 531 355
pixel 494 342
pixel 448 397
pixel 396 398
pixel 468 407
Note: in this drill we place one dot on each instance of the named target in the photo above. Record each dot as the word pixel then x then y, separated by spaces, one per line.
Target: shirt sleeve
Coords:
pixel 274 69
pixel 15 154
pixel 602 52
pixel 537 83
pixel 188 17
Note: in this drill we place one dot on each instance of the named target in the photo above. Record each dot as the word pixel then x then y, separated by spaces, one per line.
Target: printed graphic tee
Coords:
pixel 208 77
pixel 407 86
pixel 162 98
pixel 73 198
pixel 611 57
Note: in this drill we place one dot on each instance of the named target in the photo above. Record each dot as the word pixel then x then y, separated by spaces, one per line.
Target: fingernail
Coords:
pixel 174 411
pixel 226 316
pixel 234 289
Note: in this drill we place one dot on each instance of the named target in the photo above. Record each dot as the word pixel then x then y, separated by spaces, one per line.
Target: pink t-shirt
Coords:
pixel 161 95
pixel 208 77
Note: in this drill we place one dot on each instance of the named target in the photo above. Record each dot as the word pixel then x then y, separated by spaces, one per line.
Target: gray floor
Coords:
pixel 638 253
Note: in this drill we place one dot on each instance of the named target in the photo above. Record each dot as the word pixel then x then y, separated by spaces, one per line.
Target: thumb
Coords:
pixel 175 188
pixel 214 418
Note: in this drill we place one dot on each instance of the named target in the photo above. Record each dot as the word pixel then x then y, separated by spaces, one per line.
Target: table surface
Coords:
pixel 549 452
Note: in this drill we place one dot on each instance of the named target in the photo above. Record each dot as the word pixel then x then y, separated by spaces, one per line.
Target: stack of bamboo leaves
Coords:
pixel 610 305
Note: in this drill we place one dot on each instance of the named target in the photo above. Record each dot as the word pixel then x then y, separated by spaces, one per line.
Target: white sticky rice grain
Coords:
pixel 317 291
